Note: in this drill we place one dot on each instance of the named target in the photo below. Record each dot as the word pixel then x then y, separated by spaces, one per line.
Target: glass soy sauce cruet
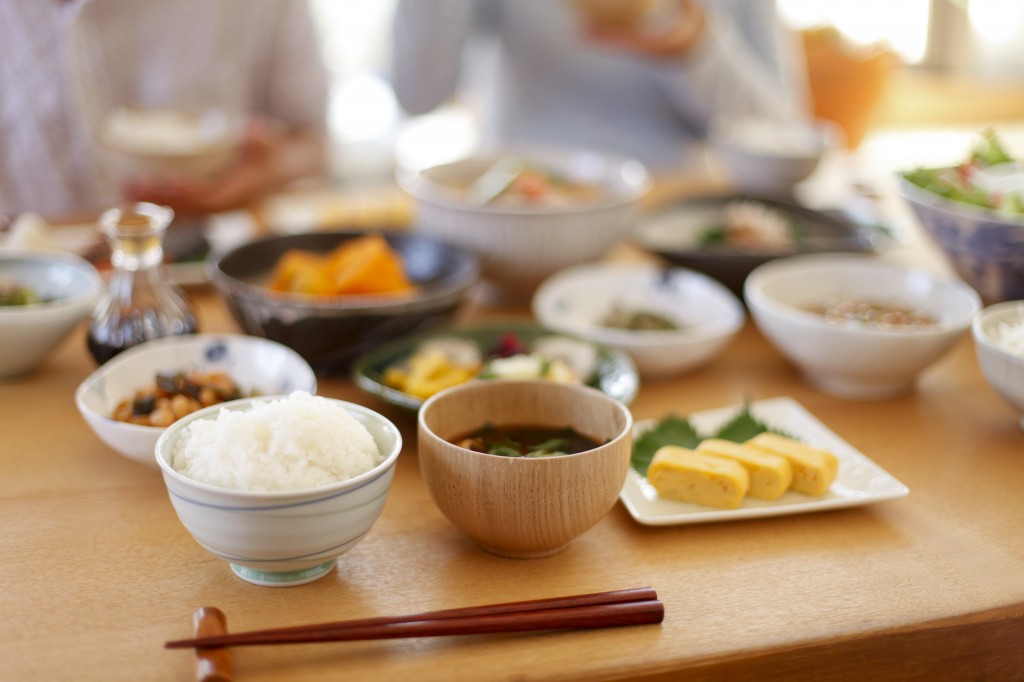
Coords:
pixel 140 304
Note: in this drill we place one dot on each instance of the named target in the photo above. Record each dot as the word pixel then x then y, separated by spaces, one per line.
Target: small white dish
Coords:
pixel 577 300
pixel 859 482
pixel 67 288
pixel 852 359
pixel 259 365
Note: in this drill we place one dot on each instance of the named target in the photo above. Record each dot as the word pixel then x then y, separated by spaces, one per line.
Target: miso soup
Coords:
pixel 525 441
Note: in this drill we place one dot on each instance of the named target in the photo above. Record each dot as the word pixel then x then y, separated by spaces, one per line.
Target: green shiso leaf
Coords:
pixel 741 428
pixel 673 430
pixel 670 430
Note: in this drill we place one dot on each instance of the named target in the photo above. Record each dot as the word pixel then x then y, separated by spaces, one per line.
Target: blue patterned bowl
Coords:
pixel 985 248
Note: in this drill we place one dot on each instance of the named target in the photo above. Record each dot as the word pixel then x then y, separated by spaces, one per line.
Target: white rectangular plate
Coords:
pixel 859 481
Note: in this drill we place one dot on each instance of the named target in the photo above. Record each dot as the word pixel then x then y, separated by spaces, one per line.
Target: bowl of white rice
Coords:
pixel 999 344
pixel 281 486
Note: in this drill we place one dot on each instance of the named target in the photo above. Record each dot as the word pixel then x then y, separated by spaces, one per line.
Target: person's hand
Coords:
pixel 676 38
pixel 270 157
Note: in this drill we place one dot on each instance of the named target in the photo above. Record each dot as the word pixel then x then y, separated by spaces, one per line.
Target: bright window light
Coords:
pixel 900 24
pixel 362 108
pixel 995 21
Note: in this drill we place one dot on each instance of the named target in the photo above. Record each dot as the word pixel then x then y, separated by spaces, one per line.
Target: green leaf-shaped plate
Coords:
pixel 615 374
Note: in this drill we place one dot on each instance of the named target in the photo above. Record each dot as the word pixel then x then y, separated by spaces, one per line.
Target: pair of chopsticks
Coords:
pixel 638 606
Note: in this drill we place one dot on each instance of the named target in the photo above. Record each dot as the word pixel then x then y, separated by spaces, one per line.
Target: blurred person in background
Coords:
pixel 646 89
pixel 65 64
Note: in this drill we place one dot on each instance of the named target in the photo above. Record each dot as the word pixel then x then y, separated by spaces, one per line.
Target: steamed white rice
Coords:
pixel 293 443
pixel 1010 336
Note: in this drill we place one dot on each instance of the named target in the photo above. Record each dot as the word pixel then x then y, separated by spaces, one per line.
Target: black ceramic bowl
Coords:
pixel 331 332
pixel 674 233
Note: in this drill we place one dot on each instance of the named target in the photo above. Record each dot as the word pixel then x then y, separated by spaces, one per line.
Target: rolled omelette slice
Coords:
pixel 770 474
pixel 696 477
pixel 813 469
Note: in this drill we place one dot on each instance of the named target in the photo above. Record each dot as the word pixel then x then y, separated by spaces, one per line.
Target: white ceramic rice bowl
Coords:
pixel 851 360
pixel 284 538
pixel 1003 369
pixel 256 364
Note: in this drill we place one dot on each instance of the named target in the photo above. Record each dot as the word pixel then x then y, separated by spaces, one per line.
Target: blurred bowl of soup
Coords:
pixel 528 214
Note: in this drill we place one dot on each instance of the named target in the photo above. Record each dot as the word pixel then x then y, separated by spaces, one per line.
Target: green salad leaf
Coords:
pixel 675 430
pixel 990 150
pixel 957 184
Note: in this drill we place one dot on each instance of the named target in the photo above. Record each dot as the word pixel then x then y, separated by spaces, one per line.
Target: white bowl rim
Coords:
pixel 919 195
pixel 413 181
pixel 277 495
pixel 727 325
pixel 182 340
pixel 623 408
pixel 829 134
pixel 756 297
pixel 235 124
pixel 53 256
pixel 997 310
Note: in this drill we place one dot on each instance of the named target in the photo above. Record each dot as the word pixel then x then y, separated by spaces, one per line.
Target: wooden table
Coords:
pixel 97 572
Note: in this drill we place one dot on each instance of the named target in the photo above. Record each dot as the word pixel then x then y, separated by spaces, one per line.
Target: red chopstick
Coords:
pixel 596 610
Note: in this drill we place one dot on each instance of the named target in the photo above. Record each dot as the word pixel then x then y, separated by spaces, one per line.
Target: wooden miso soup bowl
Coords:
pixel 524 507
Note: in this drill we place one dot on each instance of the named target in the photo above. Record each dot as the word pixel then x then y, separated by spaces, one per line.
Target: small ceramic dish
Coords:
pixel 682 234
pixel 65 288
pixel 614 372
pixel 860 481
pixel 257 365
pixel 706 315
pixel 857 358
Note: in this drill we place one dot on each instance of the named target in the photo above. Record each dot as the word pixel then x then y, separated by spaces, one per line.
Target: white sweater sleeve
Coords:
pixel 725 75
pixel 426 51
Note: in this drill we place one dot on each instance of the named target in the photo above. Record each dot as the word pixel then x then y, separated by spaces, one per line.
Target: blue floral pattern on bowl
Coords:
pixel 984 247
